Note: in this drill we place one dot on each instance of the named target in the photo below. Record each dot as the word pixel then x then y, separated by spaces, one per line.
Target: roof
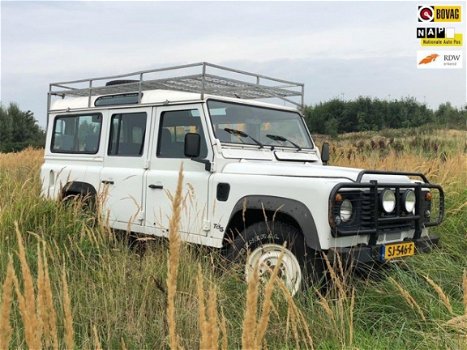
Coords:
pixel 155 97
pixel 152 86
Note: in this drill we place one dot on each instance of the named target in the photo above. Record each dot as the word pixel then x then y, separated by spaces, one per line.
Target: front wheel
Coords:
pixel 262 243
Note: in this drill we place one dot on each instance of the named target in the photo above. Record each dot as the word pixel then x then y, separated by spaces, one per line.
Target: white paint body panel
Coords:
pixel 131 204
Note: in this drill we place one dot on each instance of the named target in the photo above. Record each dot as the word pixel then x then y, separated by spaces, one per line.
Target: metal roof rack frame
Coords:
pixel 203 83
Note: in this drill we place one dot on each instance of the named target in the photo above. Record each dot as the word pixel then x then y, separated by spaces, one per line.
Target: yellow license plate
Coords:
pixel 398 250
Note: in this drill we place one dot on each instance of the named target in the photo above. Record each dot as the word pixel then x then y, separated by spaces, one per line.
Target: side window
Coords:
pixel 174 125
pixel 127 132
pixel 77 134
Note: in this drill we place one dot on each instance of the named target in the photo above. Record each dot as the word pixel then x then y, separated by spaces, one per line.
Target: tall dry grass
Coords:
pixel 173 261
pixel 35 302
pixel 7 297
pixel 111 296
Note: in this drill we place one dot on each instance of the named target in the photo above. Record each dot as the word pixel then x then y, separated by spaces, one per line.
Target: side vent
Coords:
pixel 223 190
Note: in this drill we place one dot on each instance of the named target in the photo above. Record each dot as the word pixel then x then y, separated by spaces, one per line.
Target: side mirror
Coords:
pixel 192 145
pixel 325 153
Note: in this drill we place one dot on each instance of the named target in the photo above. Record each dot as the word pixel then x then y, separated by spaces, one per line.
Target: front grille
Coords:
pixel 368 217
pixel 368 210
pixel 368 213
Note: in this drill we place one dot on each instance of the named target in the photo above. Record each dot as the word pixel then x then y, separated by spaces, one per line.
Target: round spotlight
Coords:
pixel 388 201
pixel 409 201
pixel 346 210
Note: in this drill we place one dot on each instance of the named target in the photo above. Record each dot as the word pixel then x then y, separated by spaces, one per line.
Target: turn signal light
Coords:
pixel 339 198
pixel 428 196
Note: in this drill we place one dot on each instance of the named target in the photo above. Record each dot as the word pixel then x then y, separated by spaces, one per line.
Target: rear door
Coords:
pixel 125 163
pixel 173 123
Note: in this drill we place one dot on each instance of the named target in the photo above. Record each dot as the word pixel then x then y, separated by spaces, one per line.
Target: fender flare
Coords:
pixel 295 209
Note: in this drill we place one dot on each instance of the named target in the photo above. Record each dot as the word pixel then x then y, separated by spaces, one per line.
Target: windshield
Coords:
pixel 243 124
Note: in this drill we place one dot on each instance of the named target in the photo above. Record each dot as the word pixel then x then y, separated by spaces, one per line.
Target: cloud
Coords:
pixel 354 48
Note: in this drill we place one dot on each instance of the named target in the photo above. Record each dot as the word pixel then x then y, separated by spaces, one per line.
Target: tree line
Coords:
pixel 19 129
pixel 338 116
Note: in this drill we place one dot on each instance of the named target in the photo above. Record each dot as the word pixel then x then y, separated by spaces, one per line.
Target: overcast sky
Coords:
pixel 338 49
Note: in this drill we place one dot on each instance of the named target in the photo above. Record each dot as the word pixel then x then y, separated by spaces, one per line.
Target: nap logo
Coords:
pixel 431 33
pixel 439 36
pixel 439 59
pixel 445 13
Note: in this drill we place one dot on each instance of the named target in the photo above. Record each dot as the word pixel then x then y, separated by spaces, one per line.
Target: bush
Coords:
pixel 19 130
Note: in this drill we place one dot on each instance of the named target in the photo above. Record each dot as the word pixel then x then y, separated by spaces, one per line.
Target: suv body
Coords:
pixel 252 162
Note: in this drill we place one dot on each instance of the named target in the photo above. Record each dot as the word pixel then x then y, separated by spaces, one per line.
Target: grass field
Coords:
pixel 70 283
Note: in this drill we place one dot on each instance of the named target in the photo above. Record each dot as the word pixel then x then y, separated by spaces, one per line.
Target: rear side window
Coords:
pixel 77 133
pixel 127 133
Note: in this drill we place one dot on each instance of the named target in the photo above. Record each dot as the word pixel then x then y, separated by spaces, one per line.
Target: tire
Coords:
pixel 262 243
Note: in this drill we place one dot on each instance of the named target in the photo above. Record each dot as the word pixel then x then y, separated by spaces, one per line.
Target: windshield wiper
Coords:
pixel 243 134
pixel 283 139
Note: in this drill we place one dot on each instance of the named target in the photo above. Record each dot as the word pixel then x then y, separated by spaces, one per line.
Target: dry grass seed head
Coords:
pixel 202 321
pixel 223 325
pixel 309 339
pixel 51 320
pixel 267 302
pixel 408 298
pixel 335 278
pixel 5 309
pixel 458 323
pixel 174 259
pixel 122 344
pixel 351 310
pixel 297 319
pixel 443 297
pixel 68 318
pixel 97 342
pixel 464 283
pixel 41 305
pixel 249 319
pixel 213 317
pixel 27 300
pixel 325 305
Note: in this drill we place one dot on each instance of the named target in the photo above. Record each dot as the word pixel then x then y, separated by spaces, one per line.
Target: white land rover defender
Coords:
pixel 253 178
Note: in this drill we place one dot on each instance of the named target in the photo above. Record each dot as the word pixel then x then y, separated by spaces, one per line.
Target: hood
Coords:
pixel 269 168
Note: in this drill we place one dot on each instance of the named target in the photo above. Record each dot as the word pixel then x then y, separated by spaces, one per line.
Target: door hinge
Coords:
pixel 206 225
pixel 147 164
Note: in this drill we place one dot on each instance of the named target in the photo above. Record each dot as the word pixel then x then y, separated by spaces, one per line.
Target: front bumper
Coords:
pixel 367 254
pixel 368 216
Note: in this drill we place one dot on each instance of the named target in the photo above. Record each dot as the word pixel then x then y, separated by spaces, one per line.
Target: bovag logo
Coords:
pixel 441 13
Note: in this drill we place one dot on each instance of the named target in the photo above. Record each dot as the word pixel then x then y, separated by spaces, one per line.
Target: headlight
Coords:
pixel 388 201
pixel 409 201
pixel 346 210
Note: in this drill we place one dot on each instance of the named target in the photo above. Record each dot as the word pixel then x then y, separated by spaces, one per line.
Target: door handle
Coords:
pixel 156 187
pixel 107 182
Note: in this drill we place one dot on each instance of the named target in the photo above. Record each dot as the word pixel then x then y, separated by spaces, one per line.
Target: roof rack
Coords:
pixel 245 85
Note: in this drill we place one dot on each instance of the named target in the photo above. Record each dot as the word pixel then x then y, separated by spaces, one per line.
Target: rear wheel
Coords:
pixel 86 204
pixel 262 243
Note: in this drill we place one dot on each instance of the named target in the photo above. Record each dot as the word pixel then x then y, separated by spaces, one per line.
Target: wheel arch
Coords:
pixel 251 209
pixel 79 188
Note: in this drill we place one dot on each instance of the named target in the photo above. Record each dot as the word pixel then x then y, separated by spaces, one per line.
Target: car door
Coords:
pixel 125 163
pixel 173 123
